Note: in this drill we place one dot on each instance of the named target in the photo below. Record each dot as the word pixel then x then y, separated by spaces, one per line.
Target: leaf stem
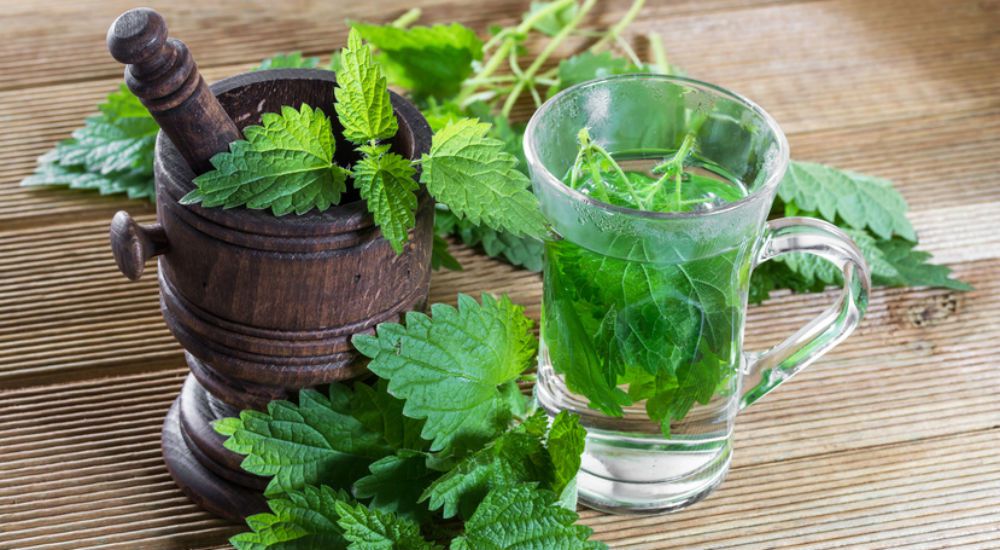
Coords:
pixel 535 95
pixel 674 168
pixel 469 86
pixel 669 166
pixel 515 68
pixel 587 147
pixel 495 39
pixel 510 40
pixel 678 179
pixel 627 48
pixel 407 18
pixel 544 55
pixel 617 29
pixel 493 80
pixel 659 53
pixel 621 173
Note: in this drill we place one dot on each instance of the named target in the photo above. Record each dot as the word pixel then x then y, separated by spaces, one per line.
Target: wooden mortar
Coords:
pixel 265 306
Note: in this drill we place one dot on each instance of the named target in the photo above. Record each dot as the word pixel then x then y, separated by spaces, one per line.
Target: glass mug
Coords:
pixel 643 312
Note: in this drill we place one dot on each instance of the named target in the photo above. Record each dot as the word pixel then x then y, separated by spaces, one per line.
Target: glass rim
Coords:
pixel 547 178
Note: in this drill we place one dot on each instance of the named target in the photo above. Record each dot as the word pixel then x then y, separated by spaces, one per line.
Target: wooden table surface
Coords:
pixel 890 441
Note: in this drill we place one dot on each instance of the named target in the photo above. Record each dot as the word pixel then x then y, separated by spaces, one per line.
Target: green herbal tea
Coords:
pixel 631 332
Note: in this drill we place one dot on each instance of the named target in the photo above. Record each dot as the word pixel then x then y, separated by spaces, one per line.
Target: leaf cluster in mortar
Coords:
pixel 287 164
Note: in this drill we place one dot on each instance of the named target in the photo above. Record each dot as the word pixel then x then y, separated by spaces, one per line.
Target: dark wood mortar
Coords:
pixel 263 305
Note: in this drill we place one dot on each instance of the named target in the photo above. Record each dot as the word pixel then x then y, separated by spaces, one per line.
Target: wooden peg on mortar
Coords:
pixel 162 73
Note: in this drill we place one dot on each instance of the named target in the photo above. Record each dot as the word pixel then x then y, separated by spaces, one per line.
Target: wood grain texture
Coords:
pixel 888 442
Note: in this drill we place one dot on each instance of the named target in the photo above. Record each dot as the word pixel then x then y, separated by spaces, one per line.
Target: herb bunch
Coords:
pixel 451 74
pixel 287 164
pixel 511 73
pixel 441 447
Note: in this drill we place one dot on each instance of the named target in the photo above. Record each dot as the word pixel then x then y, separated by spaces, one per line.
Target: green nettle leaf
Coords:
pixel 375 530
pixel 913 267
pixel 456 368
pixel 870 211
pixel 554 22
pixel 591 375
pixel 285 165
pixel 817 272
pixel 774 275
pixel 122 103
pixel 316 441
pixel 663 329
pixel 396 483
pixel 471 174
pixel 336 62
pixel 107 146
pixel 812 269
pixel 862 202
pixel 893 263
pixel 293 60
pixel 523 454
pixel 385 181
pixel 519 455
pixel 879 265
pixel 510 133
pixel 564 444
pixel 427 61
pixel 112 152
pixel 304 519
pixel 464 486
pixel 523 517
pixel 588 66
pixel 522 251
pixel 441 113
pixel 121 138
pixel 136 183
pixel 362 97
pixel 441 257
pixel 382 413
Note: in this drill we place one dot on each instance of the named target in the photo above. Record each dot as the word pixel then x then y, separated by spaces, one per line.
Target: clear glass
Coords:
pixel 643 312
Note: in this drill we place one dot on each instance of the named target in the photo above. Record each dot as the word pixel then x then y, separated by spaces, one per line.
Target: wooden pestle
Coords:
pixel 162 73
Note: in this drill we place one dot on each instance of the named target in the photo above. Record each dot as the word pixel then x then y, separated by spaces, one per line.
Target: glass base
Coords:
pixel 628 466
pixel 625 496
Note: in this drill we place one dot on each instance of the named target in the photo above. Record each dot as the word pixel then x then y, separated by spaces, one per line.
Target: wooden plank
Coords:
pixel 888 442
pixel 817 412
pixel 219 33
pixel 67 311
pixel 841 64
pixel 118 491
pixel 226 32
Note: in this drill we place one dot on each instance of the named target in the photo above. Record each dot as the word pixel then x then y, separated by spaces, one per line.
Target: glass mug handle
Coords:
pixel 817 237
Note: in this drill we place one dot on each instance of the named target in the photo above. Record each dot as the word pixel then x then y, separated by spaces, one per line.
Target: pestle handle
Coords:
pixel 133 244
pixel 162 73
